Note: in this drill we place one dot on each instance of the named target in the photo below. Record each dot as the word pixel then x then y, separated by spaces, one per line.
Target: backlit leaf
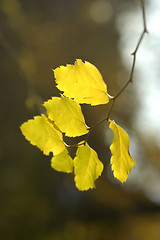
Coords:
pixel 43 134
pixel 87 167
pixel 82 82
pixel 67 115
pixel 62 162
pixel 121 161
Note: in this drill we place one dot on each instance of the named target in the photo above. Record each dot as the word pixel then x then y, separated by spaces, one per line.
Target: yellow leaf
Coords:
pixel 67 115
pixel 87 167
pixel 43 134
pixel 82 82
pixel 121 161
pixel 62 162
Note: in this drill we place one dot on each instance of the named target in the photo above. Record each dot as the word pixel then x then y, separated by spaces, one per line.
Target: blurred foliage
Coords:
pixel 36 202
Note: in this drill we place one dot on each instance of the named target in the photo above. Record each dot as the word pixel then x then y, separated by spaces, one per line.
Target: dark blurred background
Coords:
pixel 37 202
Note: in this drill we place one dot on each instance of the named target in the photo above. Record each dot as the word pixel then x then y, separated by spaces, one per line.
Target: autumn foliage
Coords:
pixel 80 83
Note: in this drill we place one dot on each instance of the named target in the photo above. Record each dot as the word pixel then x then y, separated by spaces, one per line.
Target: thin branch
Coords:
pixel 135 52
pixel 130 80
pixel 105 119
pixel 87 136
pixel 144 15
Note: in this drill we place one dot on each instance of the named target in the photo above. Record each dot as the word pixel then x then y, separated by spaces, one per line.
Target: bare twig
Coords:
pixel 135 52
pixel 130 80
pixel 132 68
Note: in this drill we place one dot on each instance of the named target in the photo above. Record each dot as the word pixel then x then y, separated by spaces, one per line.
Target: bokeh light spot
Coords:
pixel 101 11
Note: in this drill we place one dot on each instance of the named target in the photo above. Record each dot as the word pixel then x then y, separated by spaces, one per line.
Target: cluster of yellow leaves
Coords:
pixel 80 83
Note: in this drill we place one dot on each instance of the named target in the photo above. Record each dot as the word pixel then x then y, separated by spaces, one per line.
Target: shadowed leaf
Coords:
pixel 87 167
pixel 67 115
pixel 62 162
pixel 43 134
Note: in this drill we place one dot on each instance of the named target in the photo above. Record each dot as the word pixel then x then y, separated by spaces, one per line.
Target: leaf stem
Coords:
pixel 74 145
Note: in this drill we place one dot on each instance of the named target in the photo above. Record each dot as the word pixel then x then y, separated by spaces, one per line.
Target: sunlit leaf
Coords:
pixel 121 161
pixel 82 82
pixel 43 134
pixel 62 162
pixel 67 115
pixel 87 167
